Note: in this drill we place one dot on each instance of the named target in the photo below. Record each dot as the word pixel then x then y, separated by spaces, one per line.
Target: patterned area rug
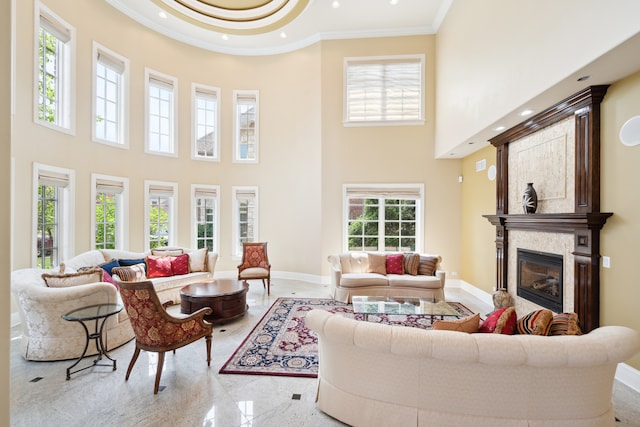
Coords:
pixel 280 344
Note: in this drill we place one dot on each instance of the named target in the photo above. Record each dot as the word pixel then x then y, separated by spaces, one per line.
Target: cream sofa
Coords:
pixel 46 336
pixel 350 276
pixel 372 374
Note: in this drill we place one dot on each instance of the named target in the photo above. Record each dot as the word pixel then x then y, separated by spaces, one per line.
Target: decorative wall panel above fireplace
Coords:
pixel 584 221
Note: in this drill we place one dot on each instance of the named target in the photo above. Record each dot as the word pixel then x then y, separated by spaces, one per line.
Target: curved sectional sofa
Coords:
pixel 372 374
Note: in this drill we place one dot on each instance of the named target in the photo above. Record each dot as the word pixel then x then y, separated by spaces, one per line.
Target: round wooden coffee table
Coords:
pixel 227 298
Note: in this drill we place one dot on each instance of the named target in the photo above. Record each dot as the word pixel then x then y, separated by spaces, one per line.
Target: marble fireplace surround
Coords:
pixel 559 151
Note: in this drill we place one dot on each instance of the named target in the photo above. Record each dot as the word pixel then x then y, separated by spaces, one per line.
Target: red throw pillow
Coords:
pixel 395 264
pixel 501 321
pixel 159 266
pixel 180 264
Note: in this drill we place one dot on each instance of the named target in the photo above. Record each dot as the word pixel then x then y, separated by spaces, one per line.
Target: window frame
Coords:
pixel 122 208
pixel 167 81
pixel 195 188
pixel 171 189
pixel 197 88
pixel 122 140
pixel 66 210
pixel 237 96
pixel 384 191
pixel 381 60
pixel 65 120
pixel 236 243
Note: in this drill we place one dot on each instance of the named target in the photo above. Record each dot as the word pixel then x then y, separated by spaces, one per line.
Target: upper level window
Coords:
pixel 55 48
pixel 161 117
pixel 109 218
pixel 110 97
pixel 53 215
pixel 384 91
pixel 204 205
pixel 385 218
pixel 160 213
pixel 206 123
pixel 245 147
pixel 245 217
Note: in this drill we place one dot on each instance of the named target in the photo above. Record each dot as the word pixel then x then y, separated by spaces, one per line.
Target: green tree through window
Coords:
pixel 385 225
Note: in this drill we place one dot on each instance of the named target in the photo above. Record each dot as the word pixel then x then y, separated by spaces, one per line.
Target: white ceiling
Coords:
pixel 318 21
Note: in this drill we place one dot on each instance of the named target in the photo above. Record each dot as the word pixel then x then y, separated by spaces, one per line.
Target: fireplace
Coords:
pixel 540 278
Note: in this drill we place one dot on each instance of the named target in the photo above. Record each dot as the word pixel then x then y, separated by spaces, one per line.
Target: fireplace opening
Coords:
pixel 540 278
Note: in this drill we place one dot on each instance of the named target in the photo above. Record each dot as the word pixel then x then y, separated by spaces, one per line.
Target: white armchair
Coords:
pixel 45 335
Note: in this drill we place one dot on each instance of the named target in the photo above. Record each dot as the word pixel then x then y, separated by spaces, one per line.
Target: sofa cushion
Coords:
pixel 111 254
pixel 93 275
pixel 180 264
pixel 198 259
pixel 357 280
pixel 537 322
pixel 86 259
pixel 565 324
pixel 377 263
pixel 159 266
pixel 407 280
pixel 469 324
pixel 501 321
pixel 427 265
pixel 167 251
pixel 132 273
pixel 394 264
pixel 411 263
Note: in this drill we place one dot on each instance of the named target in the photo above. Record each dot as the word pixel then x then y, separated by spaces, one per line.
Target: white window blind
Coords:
pixel 160 190
pixel 205 192
pixel 53 27
pixel 397 192
pixel 387 89
pixel 109 186
pixel 53 179
pixel 111 62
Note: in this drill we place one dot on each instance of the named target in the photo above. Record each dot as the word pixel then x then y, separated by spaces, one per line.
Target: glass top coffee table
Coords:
pixel 367 305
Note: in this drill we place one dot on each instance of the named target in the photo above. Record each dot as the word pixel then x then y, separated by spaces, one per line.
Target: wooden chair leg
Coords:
pixel 136 353
pixel 159 371
pixel 208 339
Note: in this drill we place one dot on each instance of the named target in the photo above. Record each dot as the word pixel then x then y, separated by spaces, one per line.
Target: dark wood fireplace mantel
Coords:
pixel 585 222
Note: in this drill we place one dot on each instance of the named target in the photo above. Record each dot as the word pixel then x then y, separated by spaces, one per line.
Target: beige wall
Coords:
pixel 620 293
pixel 478 235
pixel 402 154
pixel 496 55
pixel 5 198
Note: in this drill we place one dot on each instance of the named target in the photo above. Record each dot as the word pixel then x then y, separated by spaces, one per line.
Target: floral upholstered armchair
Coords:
pixel 156 330
pixel 255 264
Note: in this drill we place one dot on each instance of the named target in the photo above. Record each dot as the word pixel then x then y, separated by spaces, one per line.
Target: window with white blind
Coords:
pixel 384 91
pixel 160 115
pixel 204 222
pixel 53 194
pixel 110 97
pixel 245 217
pixel 206 123
pixel 54 85
pixel 110 196
pixel 160 213
pixel 245 147
pixel 383 217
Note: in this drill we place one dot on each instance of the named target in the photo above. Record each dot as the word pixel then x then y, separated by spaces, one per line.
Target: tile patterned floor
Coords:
pixel 193 394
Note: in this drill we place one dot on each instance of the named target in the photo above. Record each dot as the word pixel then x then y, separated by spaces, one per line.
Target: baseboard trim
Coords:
pixel 287 275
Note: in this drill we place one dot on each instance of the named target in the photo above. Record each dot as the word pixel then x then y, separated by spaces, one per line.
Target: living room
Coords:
pixel 476 78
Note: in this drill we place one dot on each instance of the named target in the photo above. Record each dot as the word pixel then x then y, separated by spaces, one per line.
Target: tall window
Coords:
pixel 205 230
pixel 108 211
pixel 206 123
pixel 384 90
pixel 53 214
pixel 245 217
pixel 161 117
pixel 54 93
pixel 384 218
pixel 160 216
pixel 246 126
pixel 110 96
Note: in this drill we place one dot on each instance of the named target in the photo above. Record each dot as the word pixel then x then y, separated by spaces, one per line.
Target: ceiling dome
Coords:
pixel 236 16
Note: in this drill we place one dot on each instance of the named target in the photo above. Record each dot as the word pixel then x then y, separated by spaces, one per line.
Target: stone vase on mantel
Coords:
pixel 530 199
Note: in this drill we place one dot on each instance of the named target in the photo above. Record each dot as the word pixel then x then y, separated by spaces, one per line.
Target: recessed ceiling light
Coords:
pixel 526 112
pixel 283 35
pixel 162 15
pixel 499 128
pixel 335 4
pixel 583 78
pixel 225 37
pixel 394 2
